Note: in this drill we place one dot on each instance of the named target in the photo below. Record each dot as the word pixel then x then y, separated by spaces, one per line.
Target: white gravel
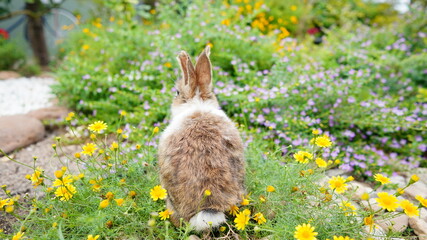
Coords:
pixel 22 95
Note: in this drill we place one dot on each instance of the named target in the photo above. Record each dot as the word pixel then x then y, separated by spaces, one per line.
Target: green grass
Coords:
pixel 298 198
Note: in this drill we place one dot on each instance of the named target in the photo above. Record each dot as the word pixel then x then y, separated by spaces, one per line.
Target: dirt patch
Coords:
pixel 13 174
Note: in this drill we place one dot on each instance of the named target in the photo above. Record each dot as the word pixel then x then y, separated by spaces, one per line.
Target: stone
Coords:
pixel 399 180
pixel 419 226
pixel 337 172
pixel 18 131
pixel 422 173
pixel 418 188
pixel 49 113
pixel 358 188
pixel 423 214
pixel 4 75
pixel 193 237
pixel 372 202
pixel 376 233
pixel 396 224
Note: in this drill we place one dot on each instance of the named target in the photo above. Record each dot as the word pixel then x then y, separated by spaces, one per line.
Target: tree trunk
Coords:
pixel 36 32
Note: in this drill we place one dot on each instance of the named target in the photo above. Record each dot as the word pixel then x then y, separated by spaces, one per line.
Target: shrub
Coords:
pixel 11 55
pixel 30 70
pixel 415 68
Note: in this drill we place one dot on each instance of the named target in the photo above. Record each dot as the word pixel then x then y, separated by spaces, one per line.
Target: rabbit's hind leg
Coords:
pixel 175 218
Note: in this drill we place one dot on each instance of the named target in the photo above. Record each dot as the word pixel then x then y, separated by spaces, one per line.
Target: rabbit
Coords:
pixel 201 149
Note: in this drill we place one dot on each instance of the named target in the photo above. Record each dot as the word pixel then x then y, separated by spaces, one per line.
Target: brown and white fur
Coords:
pixel 200 150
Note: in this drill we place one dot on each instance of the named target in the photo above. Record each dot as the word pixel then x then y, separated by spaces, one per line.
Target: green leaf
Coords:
pixel 60 235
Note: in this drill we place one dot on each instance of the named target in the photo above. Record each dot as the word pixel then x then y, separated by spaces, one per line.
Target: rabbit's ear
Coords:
pixel 204 71
pixel 188 72
pixel 182 59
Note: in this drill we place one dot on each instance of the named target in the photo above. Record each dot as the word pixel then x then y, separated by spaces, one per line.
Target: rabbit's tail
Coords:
pixel 206 219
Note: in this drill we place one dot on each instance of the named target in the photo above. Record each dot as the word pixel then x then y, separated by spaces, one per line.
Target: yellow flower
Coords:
pixel 242 219
pixel 337 183
pixel 77 155
pixel 315 132
pixel 109 195
pixel 59 174
pixel 97 126
pixel 414 179
pixel 342 238
pixel 259 217
pixel 167 64
pixel 119 201
pixel 410 209
pixel 348 208
pixel 321 163
pixel 323 141
pixel 294 19
pixel 293 8
pixel 303 157
pixel 9 209
pixel 365 196
pixel 36 178
pixel 123 113
pixel 4 202
pixel 63 181
pixel 422 200
pixel 305 232
pixel 78 177
pixel 226 22
pixel 387 201
pixel 132 194
pixel 91 237
pixel 158 192
pixel 54 225
pixel 381 178
pixel 89 149
pixel 262 199
pixel 165 214
pixel 155 130
pixel 245 202
pixel 18 236
pixel 234 210
pixel 349 179
pixel 65 193
pixel 125 136
pixel 85 47
pixel 270 189
pixel 86 30
pixel 96 184
pixel 114 146
pixel 207 192
pixel 70 116
pixel 104 203
pixel 369 221
pixel 119 131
